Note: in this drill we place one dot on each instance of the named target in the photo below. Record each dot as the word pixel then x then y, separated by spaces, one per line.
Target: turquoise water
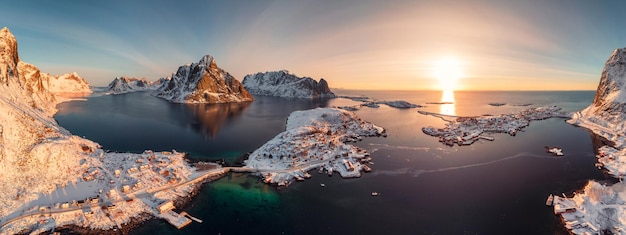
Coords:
pixel 495 187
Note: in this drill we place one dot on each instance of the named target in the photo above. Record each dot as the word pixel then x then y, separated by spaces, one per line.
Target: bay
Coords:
pixel 425 187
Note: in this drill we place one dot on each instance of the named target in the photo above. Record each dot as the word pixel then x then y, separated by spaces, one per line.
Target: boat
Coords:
pixel 330 171
pixel 550 200
pixel 366 168
pixel 375 194
pixel 323 185
pixel 307 175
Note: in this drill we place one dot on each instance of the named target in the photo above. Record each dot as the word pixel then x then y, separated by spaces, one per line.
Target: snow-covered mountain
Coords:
pixel 203 82
pixel 598 207
pixel 43 166
pixel 67 83
pixel 606 116
pixel 36 154
pixel 121 85
pixel 283 84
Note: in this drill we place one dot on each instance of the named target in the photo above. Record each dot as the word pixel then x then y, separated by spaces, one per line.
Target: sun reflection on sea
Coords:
pixel 447 103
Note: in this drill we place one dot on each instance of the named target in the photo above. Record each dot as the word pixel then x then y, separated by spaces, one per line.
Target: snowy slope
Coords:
pixel 43 165
pixel 283 84
pixel 203 82
pixel 67 83
pixel 607 114
pixel 121 85
pixel 35 153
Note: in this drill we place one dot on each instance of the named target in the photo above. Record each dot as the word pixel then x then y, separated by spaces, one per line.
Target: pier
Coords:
pixel 184 213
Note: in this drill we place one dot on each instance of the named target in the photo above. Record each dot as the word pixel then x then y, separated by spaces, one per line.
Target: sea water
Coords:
pixel 425 187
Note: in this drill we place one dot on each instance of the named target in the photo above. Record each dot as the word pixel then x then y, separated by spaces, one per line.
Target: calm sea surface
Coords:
pixel 497 187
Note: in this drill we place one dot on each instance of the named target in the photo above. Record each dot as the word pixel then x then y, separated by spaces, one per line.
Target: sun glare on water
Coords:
pixel 448 71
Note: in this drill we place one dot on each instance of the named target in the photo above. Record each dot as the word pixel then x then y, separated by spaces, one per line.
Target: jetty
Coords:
pixel 175 219
pixel 184 213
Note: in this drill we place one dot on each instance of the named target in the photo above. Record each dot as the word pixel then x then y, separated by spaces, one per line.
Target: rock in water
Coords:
pixel 283 84
pixel 203 82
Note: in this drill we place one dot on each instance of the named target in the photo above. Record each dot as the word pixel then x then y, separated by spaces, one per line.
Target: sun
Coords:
pixel 447 71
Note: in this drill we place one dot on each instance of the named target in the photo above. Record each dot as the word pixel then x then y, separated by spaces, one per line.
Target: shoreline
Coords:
pixel 180 203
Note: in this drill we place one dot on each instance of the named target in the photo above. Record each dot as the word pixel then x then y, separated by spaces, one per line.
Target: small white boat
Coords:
pixel 375 194
pixel 323 185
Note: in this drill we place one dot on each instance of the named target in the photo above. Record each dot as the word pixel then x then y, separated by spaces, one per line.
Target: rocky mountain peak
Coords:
pixel 203 82
pixel 611 91
pixel 9 57
pixel 208 61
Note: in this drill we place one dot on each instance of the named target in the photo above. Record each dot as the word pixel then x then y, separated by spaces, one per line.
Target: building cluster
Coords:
pixel 467 130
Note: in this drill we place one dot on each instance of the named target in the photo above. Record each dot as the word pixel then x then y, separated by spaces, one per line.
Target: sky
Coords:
pixel 353 44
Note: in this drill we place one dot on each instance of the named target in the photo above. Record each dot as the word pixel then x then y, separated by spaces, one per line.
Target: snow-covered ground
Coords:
pixel 367 102
pixel 314 138
pixel 111 189
pixel 467 130
pixel 51 178
pixel 596 209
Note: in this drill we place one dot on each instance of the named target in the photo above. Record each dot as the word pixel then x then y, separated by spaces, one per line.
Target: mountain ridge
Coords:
pixel 284 84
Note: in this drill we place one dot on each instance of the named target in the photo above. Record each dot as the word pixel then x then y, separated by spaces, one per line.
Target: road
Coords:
pixel 135 195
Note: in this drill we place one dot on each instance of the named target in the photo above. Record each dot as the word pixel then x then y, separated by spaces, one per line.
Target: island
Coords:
pixel 367 102
pixel 467 130
pixel 316 138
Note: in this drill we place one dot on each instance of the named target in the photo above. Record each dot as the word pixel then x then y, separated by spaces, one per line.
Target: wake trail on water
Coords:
pixel 418 172
pixel 400 147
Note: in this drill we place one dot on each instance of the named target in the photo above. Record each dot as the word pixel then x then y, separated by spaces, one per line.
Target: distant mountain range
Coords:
pixel 283 84
pixel 121 85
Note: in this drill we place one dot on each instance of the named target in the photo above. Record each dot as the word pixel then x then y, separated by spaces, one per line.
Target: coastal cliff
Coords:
pixel 606 116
